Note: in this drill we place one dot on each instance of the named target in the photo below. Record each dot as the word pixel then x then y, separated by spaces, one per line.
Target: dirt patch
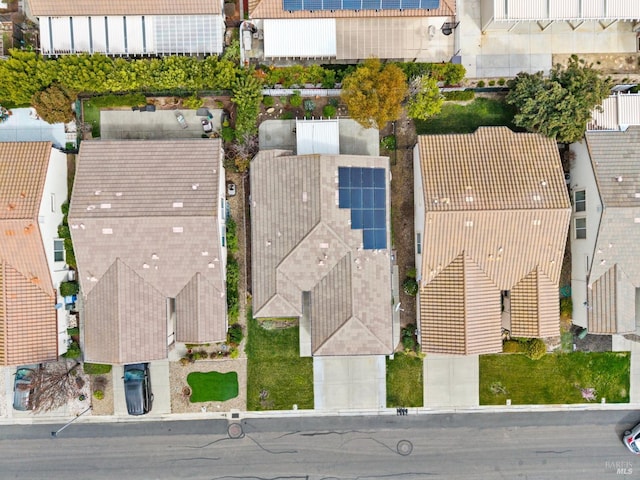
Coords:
pixel 621 66
pixel 103 383
pixel 282 110
pixel 402 225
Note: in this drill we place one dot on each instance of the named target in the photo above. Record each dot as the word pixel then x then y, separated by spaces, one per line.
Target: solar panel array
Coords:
pixel 363 190
pixel 317 5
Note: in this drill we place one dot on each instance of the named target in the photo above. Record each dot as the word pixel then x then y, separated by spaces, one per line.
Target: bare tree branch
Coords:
pixel 55 384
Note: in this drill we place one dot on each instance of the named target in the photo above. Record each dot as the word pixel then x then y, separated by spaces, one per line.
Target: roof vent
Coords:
pixel 97 192
pixel 82 226
pixel 23 194
pixel 636 220
pixel 468 223
pixel 177 205
pixel 91 207
pixel 194 186
pixel 177 229
pixel 107 231
pixel 74 226
pixel 536 222
pixel 268 243
pixel 118 194
pixel 619 179
pixel 205 253
pixel 468 198
pixel 603 261
pixel 93 279
pixel 324 245
pixel 537 197
pixel 211 265
pixel 154 256
pixel 543 183
pixel 145 265
pixel 105 205
pixel 11 206
pixel 305 197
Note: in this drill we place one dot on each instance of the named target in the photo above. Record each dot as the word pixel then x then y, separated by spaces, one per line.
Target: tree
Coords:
pixel 559 106
pixel 247 95
pixel 54 104
pixel 374 93
pixel 55 384
pixel 425 99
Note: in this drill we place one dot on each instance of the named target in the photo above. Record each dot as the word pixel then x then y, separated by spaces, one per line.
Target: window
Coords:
pixel 53 202
pixel 580 201
pixel 581 228
pixel 58 250
pixel 418 243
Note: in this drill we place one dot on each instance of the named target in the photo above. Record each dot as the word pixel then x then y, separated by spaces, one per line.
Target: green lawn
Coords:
pixel 275 369
pixel 554 379
pixel 212 386
pixel 92 116
pixel 456 118
pixel 404 381
pixel 91 108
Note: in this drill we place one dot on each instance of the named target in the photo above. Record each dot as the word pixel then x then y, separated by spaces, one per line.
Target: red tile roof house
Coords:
pixel 491 219
pixel 33 186
pixel 118 27
pixel 350 31
pixel 147 219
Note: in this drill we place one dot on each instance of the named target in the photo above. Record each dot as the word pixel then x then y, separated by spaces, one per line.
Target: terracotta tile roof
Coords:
pixel 303 247
pixel 500 198
pixel 148 213
pixel 274 9
pixel 28 320
pixel 534 307
pixel 611 293
pixel 54 8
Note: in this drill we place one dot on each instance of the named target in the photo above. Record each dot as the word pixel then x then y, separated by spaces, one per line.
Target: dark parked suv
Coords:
pixel 137 388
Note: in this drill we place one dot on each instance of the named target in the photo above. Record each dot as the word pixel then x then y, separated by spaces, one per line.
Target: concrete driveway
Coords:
pixel 159 373
pixel 451 381
pixel 158 125
pixel 355 382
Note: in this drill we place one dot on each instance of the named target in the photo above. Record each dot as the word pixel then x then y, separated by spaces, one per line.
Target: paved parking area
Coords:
pixel 349 382
pixel 159 373
pixel 158 125
pixel 451 381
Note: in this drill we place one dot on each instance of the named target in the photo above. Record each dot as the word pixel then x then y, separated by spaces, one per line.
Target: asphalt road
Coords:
pixel 557 445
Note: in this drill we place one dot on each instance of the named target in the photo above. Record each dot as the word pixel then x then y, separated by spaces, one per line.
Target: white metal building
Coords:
pixel 136 28
pixel 618 112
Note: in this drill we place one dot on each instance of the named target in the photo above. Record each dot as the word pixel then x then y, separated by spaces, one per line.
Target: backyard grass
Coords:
pixel 456 118
pixel 91 108
pixel 277 378
pixel 404 381
pixel 554 379
pixel 212 386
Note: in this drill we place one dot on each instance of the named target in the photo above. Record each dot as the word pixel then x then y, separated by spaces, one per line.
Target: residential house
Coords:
pixel 605 189
pixel 412 30
pixel 33 187
pixel 491 219
pixel 320 249
pixel 117 27
pixel 147 220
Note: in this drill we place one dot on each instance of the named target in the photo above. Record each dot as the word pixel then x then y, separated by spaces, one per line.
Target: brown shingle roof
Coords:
pixel 151 209
pixel 28 320
pixel 54 8
pixel 274 9
pixel 499 197
pixel 302 243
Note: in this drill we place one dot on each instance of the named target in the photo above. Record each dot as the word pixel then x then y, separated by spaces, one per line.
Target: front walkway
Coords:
pixel 451 381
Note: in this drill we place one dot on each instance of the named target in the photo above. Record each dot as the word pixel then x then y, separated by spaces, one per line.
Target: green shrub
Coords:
pixel 228 134
pixel 481 84
pixel 329 80
pixel 233 277
pixel 234 353
pixel 63 231
pixel 234 334
pixel 309 105
pixel 566 307
pixel 388 142
pixel 492 83
pixel 512 346
pixel 64 208
pixel 286 116
pixel 193 102
pixel 295 100
pixel 69 288
pixel 408 337
pixel 536 349
pixel 329 111
pixel 412 272
pixel 232 237
pixel 98 394
pixel 268 101
pixel 75 331
pixel 501 81
pixel 460 95
pixel 69 255
pixel 73 351
pixel 410 286
pixel 96 368
pixel 119 100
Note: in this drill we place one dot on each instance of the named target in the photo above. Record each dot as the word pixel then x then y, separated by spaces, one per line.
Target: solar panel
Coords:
pixel 356 219
pixel 332 4
pixel 391 4
pixel 344 198
pixel 371 4
pixel 312 4
pixel 408 4
pixel 363 191
pixel 430 4
pixel 293 5
pixel 351 4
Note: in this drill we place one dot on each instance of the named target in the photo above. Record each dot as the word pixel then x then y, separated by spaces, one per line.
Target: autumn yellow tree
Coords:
pixel 374 93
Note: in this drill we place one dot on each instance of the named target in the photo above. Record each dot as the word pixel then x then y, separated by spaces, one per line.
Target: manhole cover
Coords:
pixel 404 447
pixel 235 430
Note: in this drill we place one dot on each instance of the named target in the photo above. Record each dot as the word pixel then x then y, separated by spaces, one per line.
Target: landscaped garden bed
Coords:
pixel 559 378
